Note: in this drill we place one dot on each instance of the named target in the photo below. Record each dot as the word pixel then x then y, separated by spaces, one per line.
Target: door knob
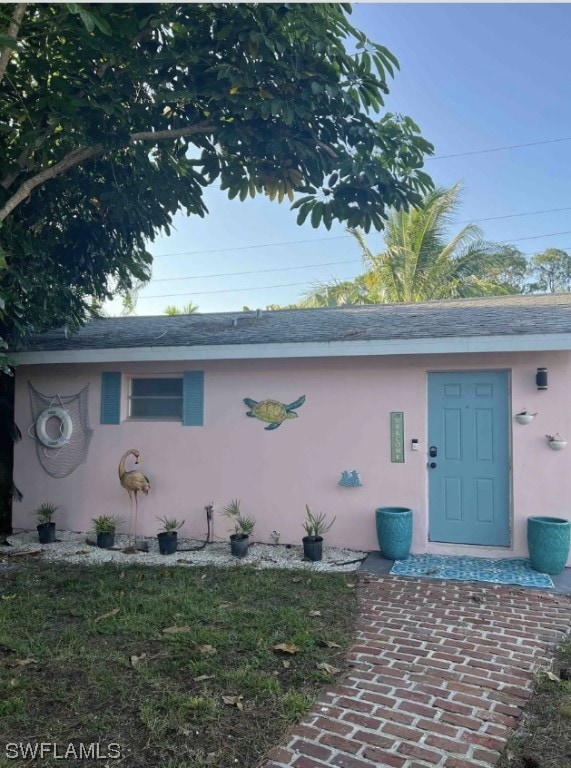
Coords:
pixel 432 465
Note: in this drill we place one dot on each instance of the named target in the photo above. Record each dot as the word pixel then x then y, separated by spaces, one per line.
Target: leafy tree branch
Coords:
pixel 8 40
pixel 115 117
pixel 81 155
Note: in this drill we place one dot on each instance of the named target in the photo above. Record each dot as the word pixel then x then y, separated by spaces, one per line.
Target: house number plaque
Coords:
pixel 397 437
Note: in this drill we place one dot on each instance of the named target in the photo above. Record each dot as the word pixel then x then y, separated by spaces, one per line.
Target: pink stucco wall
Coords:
pixel 344 424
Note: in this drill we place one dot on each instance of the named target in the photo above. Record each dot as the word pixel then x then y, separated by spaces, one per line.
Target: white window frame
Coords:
pixel 133 377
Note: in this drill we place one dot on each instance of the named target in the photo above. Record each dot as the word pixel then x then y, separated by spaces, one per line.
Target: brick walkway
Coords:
pixel 440 673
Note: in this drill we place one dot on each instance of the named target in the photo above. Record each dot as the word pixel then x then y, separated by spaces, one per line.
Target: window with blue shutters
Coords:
pixel 163 398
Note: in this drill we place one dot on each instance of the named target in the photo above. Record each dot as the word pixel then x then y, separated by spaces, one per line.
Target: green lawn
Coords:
pixel 85 659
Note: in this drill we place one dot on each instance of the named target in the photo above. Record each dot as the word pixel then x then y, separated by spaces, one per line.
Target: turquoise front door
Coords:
pixel 468 458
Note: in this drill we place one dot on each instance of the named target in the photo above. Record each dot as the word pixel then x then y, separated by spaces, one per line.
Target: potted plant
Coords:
pixel 315 527
pixel 46 528
pixel 105 526
pixel 243 528
pixel 556 442
pixel 524 416
pixel 168 536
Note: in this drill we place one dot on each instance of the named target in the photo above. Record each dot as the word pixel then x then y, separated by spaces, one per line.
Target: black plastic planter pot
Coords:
pixel 105 540
pixel 239 544
pixel 312 548
pixel 46 533
pixel 167 542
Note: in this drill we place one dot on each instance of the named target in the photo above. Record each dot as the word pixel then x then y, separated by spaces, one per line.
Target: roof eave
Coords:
pixel 443 345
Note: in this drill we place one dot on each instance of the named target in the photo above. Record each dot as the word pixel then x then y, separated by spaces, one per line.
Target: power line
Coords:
pixel 500 149
pixel 253 288
pixel 340 237
pixel 323 264
pixel 535 237
pixel 249 247
pixel 559 248
pixel 223 290
pixel 256 271
pixel 495 149
pixel 242 290
pixel 516 215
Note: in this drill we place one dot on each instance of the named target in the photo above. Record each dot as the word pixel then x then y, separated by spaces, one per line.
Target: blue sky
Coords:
pixel 473 77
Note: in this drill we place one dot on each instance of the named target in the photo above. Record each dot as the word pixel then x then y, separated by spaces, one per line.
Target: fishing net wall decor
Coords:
pixel 61 430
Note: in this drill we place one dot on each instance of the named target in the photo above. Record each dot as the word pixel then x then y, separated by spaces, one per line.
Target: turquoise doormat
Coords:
pixel 511 571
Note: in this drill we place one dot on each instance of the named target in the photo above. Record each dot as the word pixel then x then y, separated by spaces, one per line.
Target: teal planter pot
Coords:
pixel 394 532
pixel 548 541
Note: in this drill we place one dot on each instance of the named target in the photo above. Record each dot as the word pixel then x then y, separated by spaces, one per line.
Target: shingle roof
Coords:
pixel 493 316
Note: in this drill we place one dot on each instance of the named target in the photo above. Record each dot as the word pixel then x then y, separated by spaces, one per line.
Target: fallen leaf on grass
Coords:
pixel 27 553
pixel 234 701
pixel 286 664
pixel 108 615
pixel 287 648
pixel 553 676
pixel 22 662
pixel 329 644
pixel 226 605
pixel 329 668
pixel 202 578
pixel 209 650
pixel 201 678
pixel 8 597
pixel 136 659
pixel 351 585
pixel 315 613
pixel 81 552
pixel 175 630
pixel 296 579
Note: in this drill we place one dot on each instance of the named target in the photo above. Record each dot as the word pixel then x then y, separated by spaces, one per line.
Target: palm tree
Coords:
pixel 339 292
pixel 419 263
pixel 187 309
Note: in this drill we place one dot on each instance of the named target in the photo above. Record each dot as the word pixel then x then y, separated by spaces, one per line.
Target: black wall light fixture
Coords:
pixel 541 378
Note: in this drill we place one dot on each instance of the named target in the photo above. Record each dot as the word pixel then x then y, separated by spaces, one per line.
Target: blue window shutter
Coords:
pixel 193 399
pixel 111 397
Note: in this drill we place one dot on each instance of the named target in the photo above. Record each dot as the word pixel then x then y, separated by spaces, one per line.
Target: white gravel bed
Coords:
pixel 72 547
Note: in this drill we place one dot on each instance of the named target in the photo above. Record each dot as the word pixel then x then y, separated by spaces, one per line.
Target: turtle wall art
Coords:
pixel 272 410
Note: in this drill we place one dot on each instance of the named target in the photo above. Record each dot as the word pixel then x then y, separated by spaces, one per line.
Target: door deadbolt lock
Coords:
pixel 433 451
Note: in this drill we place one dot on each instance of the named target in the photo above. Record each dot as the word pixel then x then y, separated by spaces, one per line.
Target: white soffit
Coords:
pixel 447 345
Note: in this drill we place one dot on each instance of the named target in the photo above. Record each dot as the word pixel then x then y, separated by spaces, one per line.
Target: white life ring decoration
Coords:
pixel 65 428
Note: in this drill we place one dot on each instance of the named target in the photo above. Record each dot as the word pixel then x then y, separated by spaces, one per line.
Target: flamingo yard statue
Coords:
pixel 133 481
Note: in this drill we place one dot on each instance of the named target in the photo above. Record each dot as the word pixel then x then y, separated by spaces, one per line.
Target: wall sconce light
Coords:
pixel 541 378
